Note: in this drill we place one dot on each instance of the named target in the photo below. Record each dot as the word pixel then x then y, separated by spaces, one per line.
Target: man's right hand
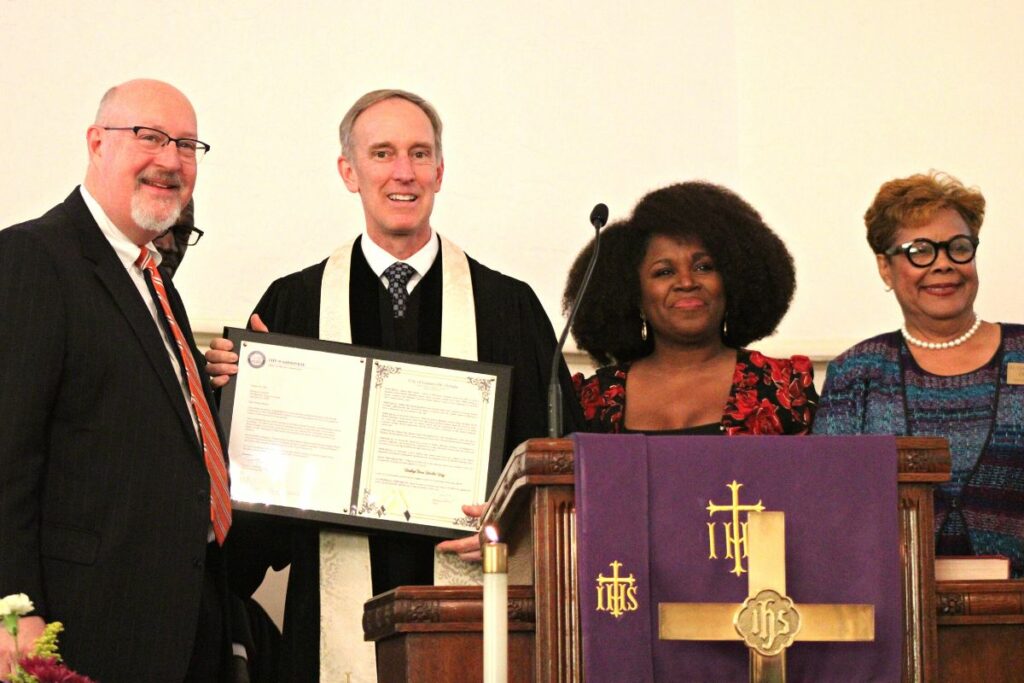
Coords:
pixel 29 629
pixel 222 361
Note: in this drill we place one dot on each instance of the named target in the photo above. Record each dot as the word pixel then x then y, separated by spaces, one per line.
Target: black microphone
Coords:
pixel 598 217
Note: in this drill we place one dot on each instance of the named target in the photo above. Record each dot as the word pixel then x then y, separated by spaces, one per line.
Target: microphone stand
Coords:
pixel 598 218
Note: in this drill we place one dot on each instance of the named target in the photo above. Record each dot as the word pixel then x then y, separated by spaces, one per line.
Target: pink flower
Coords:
pixel 48 670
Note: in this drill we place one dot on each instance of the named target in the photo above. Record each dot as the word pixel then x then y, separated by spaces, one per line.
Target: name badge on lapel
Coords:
pixel 1015 373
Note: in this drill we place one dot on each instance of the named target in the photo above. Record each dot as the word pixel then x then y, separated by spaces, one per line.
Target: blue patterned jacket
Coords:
pixel 866 392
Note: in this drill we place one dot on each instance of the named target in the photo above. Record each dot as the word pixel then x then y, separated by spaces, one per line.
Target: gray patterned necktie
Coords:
pixel 398 275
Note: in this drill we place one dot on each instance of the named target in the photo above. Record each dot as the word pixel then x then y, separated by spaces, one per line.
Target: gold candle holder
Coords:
pixel 495 560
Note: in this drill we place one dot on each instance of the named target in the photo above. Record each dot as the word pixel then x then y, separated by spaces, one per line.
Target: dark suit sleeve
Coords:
pixel 31 357
pixel 291 305
pixel 258 542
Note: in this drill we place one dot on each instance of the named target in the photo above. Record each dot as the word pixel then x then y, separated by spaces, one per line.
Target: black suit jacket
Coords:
pixel 104 496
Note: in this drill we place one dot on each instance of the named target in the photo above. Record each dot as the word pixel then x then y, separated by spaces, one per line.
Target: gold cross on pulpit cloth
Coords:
pixel 767 621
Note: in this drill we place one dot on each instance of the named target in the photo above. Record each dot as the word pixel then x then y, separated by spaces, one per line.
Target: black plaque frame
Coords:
pixel 499 403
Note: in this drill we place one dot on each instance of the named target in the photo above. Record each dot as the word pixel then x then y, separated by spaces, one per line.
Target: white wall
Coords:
pixel 547 109
pixel 804 108
pixel 837 97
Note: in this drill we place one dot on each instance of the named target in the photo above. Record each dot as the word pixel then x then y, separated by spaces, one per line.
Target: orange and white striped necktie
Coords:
pixel 213 454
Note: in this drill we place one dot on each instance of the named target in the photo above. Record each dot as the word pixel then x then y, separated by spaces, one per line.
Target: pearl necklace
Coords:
pixel 943 345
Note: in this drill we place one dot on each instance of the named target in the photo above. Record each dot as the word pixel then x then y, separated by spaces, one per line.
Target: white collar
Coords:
pixel 126 250
pixel 458 309
pixel 379 259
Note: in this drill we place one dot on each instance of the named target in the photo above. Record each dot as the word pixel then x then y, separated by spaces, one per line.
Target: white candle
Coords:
pixel 495 609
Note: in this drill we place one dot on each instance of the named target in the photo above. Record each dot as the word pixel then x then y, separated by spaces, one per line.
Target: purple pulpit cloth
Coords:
pixel 643 502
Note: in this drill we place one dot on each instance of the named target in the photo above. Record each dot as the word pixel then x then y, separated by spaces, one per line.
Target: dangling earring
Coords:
pixel 643 328
pixel 725 327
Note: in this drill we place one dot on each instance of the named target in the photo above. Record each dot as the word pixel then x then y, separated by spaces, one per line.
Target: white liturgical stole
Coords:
pixel 345 582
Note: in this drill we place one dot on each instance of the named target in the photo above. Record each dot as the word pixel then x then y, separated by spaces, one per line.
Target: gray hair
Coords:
pixel 372 98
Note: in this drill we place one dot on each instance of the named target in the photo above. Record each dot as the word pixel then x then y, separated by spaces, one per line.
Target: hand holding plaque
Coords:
pixel 362 437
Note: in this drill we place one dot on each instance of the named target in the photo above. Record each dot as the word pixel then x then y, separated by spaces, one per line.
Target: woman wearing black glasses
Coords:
pixel 173 243
pixel 947 372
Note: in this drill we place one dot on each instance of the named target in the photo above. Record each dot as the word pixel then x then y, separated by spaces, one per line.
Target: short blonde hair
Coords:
pixel 915 200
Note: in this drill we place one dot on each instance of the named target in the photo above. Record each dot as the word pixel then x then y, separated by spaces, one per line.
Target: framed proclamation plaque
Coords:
pixel 362 437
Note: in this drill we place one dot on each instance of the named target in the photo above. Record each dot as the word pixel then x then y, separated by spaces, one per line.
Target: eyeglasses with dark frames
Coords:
pixel 152 140
pixel 923 252
pixel 185 235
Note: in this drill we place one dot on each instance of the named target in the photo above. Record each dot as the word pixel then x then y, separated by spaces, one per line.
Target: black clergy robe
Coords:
pixel 512 329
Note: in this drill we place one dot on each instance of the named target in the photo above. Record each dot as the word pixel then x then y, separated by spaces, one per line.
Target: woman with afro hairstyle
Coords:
pixel 678 292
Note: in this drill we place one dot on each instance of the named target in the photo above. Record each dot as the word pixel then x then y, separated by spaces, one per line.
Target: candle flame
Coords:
pixel 492 533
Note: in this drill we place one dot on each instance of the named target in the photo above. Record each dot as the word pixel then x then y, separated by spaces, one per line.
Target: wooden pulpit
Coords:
pixel 434 633
pixel 533 506
pixel 981 631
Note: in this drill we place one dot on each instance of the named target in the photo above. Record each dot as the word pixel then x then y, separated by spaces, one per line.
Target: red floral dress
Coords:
pixel 768 396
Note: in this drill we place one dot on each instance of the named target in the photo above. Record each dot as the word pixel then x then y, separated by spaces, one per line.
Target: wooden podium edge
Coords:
pixel 971 602
pixel 421 609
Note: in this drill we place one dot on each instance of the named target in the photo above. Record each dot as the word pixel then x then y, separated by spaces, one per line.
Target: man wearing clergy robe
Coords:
pixel 439 302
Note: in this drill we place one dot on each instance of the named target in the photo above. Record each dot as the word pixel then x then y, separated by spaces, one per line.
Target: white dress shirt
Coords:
pixel 420 262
